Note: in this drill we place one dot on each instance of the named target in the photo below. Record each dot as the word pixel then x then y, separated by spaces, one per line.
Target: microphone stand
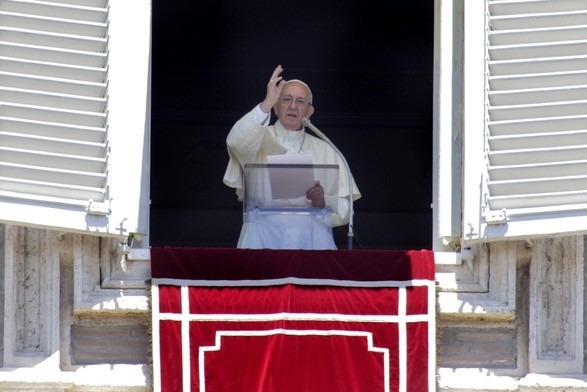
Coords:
pixel 306 122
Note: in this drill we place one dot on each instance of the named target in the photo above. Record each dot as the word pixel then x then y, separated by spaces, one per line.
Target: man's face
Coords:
pixel 293 105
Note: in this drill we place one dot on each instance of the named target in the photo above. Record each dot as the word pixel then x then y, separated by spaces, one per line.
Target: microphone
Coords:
pixel 306 122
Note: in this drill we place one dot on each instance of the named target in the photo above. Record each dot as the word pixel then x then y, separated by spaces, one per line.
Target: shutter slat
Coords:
pixel 63 10
pixel 52 55
pixel 35 189
pixel 538 110
pixel 522 7
pixel 57 101
pixel 538 185
pixel 540 36
pixel 547 19
pixel 84 3
pixel 53 41
pixel 537 140
pixel 47 175
pixel 538 50
pixel 542 65
pixel 537 155
pixel 52 145
pixel 53 25
pixel 56 116
pixel 62 73
pixel 60 86
pixel 52 160
pixel 538 95
pixel 550 201
pixel 525 171
pixel 537 80
pixel 55 130
pixel 533 125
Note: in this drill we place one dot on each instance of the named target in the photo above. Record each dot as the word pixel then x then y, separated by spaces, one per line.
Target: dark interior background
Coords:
pixel 370 67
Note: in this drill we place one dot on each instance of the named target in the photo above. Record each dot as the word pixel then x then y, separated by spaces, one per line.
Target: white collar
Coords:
pixel 282 133
pixel 292 140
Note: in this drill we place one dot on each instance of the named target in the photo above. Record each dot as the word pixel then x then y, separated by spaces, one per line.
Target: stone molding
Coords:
pixel 483 284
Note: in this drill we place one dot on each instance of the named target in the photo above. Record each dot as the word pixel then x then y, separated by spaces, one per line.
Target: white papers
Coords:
pixel 304 158
pixel 292 177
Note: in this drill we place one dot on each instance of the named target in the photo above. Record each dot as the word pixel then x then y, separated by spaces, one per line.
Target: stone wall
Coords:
pixel 478 345
pixel 76 314
pixel 512 317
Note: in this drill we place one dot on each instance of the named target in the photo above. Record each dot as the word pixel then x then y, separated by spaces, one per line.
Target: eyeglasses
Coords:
pixel 301 103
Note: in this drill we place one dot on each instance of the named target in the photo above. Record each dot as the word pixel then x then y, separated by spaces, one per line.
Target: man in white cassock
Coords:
pixel 252 140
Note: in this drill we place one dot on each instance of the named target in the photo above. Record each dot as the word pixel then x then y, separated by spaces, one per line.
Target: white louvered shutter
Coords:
pixel 59 151
pixel 533 172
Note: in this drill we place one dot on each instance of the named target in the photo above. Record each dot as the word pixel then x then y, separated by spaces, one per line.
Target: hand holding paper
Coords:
pixel 316 195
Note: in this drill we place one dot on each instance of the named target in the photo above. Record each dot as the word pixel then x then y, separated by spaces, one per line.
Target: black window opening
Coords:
pixel 370 68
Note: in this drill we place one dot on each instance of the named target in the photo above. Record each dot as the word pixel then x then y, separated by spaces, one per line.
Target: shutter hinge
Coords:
pixel 98 209
pixel 496 217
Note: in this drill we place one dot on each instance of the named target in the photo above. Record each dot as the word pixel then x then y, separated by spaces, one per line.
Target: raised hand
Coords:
pixel 274 87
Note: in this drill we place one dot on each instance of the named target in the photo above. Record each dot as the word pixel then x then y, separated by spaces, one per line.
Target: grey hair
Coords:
pixel 311 98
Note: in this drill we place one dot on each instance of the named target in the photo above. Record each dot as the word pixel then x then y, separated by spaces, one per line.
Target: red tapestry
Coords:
pixel 282 320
